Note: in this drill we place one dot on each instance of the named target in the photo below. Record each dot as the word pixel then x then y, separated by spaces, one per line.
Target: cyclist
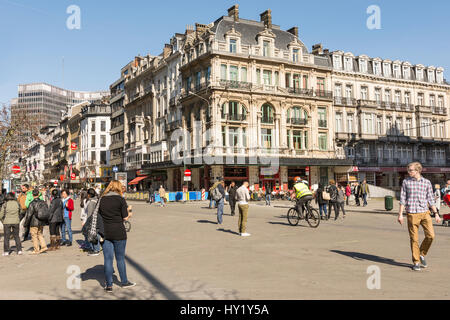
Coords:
pixel 302 194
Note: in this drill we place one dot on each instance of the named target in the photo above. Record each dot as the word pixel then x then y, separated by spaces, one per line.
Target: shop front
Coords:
pixel 236 174
pixel 269 179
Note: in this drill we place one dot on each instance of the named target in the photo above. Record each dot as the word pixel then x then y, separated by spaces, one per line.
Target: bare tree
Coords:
pixel 17 130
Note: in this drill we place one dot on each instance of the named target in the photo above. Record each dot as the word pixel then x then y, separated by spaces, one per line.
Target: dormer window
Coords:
pixel 419 74
pixel 431 76
pixel 233 45
pixel 266 48
pixel 396 71
pixel 296 55
pixel 348 63
pixel 363 66
pixel 439 77
pixel 376 68
pixel 406 73
pixel 337 62
pixel 387 70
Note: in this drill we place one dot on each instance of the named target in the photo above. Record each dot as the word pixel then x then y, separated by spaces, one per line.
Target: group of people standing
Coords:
pixel 34 209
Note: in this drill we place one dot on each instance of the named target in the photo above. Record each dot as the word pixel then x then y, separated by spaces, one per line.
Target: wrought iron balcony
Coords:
pixel 267 120
pixel 301 92
pixel 323 94
pixel 323 124
pixel 229 84
pixel 235 117
pixel 297 121
pixel 341 101
pixel 369 103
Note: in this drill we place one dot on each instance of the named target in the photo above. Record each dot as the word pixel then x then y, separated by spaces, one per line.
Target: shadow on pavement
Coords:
pixel 206 221
pixel 285 224
pixel 161 287
pixel 229 231
pixel 370 257
pixel 97 273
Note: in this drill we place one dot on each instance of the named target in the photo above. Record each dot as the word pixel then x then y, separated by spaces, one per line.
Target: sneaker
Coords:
pixel 109 289
pixel 69 244
pixel 245 234
pixel 416 267
pixel 93 253
pixel 423 262
pixel 20 253
pixel 5 254
pixel 128 285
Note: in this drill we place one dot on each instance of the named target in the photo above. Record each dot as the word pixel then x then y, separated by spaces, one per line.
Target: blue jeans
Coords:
pixel 365 199
pixel 93 247
pixel 113 248
pixel 220 211
pixel 267 199
pixel 212 203
pixel 323 208
pixel 67 224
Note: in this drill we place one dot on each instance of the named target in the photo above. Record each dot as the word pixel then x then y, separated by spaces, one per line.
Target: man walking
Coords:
pixel 151 194
pixel 23 232
pixel 268 194
pixel 364 192
pixel 357 192
pixel 416 198
pixel 162 195
pixel 36 226
pixel 243 197
pixel 220 203
pixel 232 197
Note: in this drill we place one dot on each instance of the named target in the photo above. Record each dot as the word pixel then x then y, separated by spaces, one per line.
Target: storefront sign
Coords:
pixel 122 177
pixel 269 171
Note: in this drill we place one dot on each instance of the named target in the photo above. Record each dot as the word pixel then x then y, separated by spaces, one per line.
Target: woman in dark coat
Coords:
pixel 55 220
pixel 323 204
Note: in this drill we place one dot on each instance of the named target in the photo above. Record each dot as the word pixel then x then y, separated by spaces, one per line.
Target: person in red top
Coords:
pixel 68 206
pixel 348 192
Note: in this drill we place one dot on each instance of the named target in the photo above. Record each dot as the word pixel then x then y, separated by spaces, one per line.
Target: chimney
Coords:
pixel 189 29
pixel 294 31
pixel 326 51
pixel 266 17
pixel 317 49
pixel 234 12
pixel 200 28
pixel 167 51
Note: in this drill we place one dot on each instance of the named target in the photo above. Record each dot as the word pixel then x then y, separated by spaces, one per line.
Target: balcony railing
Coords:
pixel 345 101
pixel 300 91
pixel 267 120
pixel 297 121
pixel 228 84
pixel 234 117
pixel 369 103
pixel 439 110
pixel 323 94
pixel 323 124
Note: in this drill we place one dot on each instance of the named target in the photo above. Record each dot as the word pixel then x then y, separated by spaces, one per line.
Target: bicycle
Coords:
pixel 312 215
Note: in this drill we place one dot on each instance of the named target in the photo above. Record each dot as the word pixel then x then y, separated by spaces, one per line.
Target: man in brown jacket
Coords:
pixel 23 232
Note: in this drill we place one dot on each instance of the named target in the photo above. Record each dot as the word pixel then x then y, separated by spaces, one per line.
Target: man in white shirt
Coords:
pixel 242 198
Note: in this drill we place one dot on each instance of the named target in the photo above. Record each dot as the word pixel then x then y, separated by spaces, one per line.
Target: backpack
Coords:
pixel 333 193
pixel 42 211
pixel 215 194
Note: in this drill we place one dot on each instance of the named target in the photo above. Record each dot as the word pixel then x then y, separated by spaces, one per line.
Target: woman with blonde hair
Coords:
pixel 113 210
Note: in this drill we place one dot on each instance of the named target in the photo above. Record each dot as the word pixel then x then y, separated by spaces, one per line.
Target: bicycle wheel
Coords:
pixel 127 225
pixel 293 217
pixel 313 217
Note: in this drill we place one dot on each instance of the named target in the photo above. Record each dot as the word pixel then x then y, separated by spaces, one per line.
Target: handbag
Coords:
pixel 326 196
pixel 92 231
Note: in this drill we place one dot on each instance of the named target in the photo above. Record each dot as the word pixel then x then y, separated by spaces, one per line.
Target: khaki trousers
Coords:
pixel 414 221
pixel 243 213
pixel 37 237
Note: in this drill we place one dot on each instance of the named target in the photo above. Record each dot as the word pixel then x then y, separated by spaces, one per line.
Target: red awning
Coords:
pixel 136 181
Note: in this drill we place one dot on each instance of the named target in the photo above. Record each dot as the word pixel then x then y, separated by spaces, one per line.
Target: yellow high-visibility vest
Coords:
pixel 301 190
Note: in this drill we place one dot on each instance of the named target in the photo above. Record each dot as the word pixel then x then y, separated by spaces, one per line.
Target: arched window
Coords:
pixel 297 115
pixel 234 111
pixel 267 114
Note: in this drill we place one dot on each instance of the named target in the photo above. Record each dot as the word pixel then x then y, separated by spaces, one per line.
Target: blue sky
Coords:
pixel 34 37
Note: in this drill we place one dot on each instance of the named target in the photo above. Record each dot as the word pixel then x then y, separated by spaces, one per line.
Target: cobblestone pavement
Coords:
pixel 176 253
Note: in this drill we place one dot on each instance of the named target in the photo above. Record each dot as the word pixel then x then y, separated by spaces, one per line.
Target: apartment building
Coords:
pixel 388 114
pixel 117 90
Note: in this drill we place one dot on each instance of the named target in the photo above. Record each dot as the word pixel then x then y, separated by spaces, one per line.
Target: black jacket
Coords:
pixel 56 211
pixel 319 197
pixel 113 209
pixel 30 218
pixel 232 193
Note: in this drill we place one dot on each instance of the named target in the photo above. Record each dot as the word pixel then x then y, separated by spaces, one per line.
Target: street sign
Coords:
pixel 73 146
pixel 115 169
pixel 188 173
pixel 73 176
pixel 16 169
pixel 187 179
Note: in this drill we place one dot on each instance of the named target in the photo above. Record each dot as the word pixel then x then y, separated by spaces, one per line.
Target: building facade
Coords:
pixel 388 114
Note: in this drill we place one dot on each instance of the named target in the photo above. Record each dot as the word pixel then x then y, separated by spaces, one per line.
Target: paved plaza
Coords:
pixel 176 253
